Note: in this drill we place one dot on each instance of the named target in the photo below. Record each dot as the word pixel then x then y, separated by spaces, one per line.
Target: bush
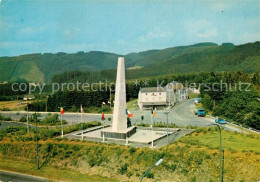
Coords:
pixel 123 169
pixel 23 119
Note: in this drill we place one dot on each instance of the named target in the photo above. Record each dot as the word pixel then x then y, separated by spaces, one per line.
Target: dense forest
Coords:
pixel 237 103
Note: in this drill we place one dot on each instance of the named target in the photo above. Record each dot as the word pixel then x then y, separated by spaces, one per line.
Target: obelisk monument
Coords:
pixel 119 115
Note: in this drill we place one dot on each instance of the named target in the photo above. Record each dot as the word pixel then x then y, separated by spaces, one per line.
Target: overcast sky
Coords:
pixel 122 26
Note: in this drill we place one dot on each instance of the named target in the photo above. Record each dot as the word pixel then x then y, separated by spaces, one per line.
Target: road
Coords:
pixel 7 176
pixel 181 115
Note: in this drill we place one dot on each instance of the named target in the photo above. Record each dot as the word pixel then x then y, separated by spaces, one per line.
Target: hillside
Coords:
pixel 182 59
pixel 216 58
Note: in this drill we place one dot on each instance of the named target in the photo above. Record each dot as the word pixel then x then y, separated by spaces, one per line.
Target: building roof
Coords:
pixel 29 96
pixel 152 89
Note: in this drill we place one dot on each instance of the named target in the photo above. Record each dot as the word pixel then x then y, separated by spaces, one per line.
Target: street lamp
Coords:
pixel 220 151
pixel 36 138
pixel 155 165
pixel 167 112
pixel 27 116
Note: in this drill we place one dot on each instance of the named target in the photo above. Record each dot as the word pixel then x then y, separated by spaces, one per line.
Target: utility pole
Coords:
pixel 46 104
pixel 36 138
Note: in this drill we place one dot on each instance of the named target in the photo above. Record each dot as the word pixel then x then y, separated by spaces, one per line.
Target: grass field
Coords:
pixel 194 157
pixel 231 141
pixel 132 104
pixel 12 105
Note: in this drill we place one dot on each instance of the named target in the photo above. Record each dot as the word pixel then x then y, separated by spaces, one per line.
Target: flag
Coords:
pixel 130 115
pixel 153 112
pixel 103 103
pixel 61 110
pixel 102 115
pixel 81 109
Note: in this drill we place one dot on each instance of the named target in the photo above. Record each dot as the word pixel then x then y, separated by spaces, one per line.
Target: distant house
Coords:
pixel 29 97
pixel 159 97
pixel 194 90
pixel 175 93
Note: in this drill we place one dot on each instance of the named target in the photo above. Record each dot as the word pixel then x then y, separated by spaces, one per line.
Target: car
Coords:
pixel 220 121
pixel 198 100
pixel 201 112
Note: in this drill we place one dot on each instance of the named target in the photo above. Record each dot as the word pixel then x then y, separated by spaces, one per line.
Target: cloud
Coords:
pixel 29 31
pixel 201 28
pixel 220 5
pixel 155 34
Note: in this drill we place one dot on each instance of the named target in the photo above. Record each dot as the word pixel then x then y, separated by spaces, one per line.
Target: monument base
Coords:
pixel 120 134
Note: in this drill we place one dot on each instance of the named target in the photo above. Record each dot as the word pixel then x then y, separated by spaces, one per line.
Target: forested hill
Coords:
pixel 194 58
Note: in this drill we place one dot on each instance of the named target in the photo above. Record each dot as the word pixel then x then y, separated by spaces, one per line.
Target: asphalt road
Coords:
pixel 7 176
pixel 181 115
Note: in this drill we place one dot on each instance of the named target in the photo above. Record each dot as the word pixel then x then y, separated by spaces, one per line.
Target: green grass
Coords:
pixel 132 104
pixel 193 95
pixel 52 173
pixel 230 140
pixel 193 156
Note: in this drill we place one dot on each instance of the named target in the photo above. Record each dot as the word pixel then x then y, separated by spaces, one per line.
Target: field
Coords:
pixel 194 157
pixel 12 105
pixel 132 104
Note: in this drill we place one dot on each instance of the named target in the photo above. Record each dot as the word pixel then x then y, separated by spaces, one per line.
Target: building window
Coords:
pixel 160 93
pixel 146 94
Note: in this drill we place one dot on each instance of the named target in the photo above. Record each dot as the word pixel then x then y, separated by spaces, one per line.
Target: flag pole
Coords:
pixel 110 96
pixel 61 125
pixel 152 130
pixel 103 122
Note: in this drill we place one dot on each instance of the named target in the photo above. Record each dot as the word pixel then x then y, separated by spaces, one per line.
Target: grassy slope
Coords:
pixel 194 157
pixel 49 172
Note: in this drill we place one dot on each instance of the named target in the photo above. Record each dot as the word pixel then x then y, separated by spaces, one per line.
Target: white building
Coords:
pixel 161 97
pixel 151 96
pixel 29 97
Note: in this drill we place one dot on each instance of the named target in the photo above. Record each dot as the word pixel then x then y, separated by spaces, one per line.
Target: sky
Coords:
pixel 41 26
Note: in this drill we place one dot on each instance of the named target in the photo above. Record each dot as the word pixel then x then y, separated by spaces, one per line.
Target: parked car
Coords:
pixel 201 112
pixel 220 121
pixel 198 100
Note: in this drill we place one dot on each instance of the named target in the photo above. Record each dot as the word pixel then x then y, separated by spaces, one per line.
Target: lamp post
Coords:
pixel 167 112
pixel 27 116
pixel 220 151
pixel 155 165
pixel 36 138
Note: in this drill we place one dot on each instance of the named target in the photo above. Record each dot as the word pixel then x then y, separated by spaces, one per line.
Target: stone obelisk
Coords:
pixel 119 115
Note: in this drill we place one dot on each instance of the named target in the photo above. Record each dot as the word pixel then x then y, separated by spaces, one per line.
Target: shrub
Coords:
pixel 132 150
pixel 123 169
pixel 23 119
